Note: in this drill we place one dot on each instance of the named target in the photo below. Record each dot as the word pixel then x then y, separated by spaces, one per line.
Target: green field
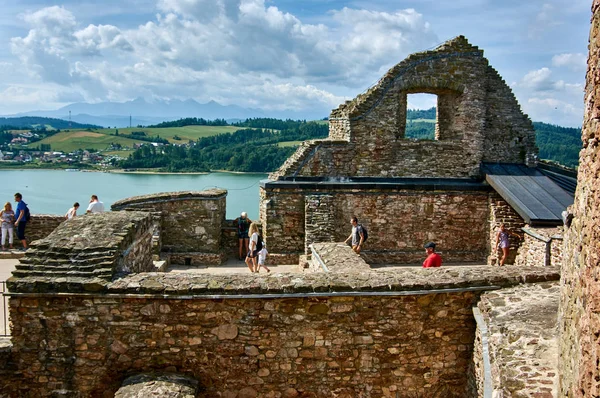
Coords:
pixel 186 133
pixel 289 143
pixel 100 139
pixel 422 120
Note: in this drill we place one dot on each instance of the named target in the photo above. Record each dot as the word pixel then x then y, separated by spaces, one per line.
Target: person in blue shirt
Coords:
pixel 21 222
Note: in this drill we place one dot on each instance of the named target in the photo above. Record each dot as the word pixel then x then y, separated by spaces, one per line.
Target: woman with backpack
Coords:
pixel 243 224
pixel 254 247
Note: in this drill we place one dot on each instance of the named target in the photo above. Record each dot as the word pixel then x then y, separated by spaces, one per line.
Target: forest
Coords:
pixel 246 150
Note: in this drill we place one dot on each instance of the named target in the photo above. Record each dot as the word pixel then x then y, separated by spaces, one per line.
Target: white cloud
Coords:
pixel 233 51
pixel 576 62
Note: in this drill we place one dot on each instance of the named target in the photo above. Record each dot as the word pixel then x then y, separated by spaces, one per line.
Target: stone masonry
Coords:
pixel 478 120
pixel 580 296
pixel 190 223
pixel 367 333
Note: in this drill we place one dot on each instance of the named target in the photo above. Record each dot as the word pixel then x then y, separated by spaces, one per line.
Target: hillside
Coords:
pixel 39 122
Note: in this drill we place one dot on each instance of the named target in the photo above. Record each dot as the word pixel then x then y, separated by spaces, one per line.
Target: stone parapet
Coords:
pixel 40 226
pixel 86 253
pixel 190 221
pixel 158 385
pixel 522 340
pixel 336 257
pixel 409 280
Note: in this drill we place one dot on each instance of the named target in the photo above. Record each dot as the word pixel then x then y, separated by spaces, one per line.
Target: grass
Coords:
pixel 186 133
pixel 100 139
pixel 288 143
pixel 73 140
pixel 422 120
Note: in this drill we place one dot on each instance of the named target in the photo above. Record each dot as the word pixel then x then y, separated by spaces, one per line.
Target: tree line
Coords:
pixel 246 150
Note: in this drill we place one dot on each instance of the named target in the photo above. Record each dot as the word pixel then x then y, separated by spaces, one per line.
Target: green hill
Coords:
pixel 38 122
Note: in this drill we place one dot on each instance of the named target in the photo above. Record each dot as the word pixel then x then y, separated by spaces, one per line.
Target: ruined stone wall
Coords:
pixel 541 247
pixel 580 296
pixel 190 223
pixel 399 222
pixel 510 137
pixel 327 346
pixel 478 119
pixel 522 337
pixel 40 226
pixel 502 212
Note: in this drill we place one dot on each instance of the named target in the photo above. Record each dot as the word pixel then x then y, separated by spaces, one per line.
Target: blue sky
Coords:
pixel 306 55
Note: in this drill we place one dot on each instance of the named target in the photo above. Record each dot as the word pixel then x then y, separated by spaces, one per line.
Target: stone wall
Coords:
pixel 541 247
pixel 479 120
pixel 40 226
pixel 521 325
pixel 85 253
pixel 580 296
pixel 190 223
pixel 399 220
pixel 329 334
pixel 502 213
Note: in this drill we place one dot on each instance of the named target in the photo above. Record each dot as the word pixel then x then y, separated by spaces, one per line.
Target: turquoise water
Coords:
pixel 55 191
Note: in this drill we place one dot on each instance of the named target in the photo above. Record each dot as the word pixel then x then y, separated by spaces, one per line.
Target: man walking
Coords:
pixel 95 205
pixel 21 219
pixel 357 235
pixel 433 259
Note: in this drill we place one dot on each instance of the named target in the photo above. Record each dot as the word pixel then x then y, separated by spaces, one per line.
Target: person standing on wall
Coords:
pixel 433 259
pixel 7 217
pixel 95 205
pixel 503 243
pixel 243 225
pixel 22 215
pixel 357 235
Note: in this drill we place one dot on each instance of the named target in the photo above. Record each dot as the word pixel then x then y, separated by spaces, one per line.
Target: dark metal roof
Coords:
pixel 537 198
pixel 565 178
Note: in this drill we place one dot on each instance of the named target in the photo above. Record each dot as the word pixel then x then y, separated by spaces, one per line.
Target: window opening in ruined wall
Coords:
pixel 421 116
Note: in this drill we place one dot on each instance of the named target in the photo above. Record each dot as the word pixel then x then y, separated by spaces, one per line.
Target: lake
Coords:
pixel 55 191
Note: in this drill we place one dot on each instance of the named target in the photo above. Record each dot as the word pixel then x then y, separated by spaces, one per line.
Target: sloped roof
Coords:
pixel 536 197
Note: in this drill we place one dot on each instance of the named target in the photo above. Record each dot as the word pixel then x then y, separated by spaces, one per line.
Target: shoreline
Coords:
pixel 123 171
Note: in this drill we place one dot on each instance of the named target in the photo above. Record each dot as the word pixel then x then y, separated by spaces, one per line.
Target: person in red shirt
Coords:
pixel 433 259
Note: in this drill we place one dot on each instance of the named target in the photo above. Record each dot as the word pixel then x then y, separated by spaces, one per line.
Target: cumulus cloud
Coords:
pixel 232 51
pixel 574 62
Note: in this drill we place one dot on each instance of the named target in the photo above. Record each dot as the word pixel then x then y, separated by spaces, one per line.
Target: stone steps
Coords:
pixel 104 273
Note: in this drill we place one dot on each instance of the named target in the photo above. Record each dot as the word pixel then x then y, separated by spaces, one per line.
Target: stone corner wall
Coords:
pixel 190 222
pixel 85 253
pixel 522 347
pixel 580 295
pixel 541 247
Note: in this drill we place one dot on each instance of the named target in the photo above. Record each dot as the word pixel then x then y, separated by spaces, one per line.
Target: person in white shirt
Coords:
pixel 72 211
pixel 262 256
pixel 95 205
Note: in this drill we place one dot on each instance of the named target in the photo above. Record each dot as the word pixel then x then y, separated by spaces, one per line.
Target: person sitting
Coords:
pixel 433 259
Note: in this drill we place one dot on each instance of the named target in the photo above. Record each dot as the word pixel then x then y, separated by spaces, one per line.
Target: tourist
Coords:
pixel 356 236
pixel 95 205
pixel 433 259
pixel 503 243
pixel 253 248
pixel 22 215
pixel 8 218
pixel 72 211
pixel 243 224
pixel 262 256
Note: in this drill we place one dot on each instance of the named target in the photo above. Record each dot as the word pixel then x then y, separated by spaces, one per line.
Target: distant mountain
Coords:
pixel 36 121
pixel 144 113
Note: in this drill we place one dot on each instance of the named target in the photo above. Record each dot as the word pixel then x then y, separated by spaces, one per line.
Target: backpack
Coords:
pixel 242 225
pixel 27 213
pixel 364 231
pixel 259 244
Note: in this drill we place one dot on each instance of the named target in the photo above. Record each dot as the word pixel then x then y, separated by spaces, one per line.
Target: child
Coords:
pixel 7 217
pixel 262 256
pixel 72 211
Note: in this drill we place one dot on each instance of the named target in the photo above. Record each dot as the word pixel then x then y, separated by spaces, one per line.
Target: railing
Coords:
pixel 4 327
